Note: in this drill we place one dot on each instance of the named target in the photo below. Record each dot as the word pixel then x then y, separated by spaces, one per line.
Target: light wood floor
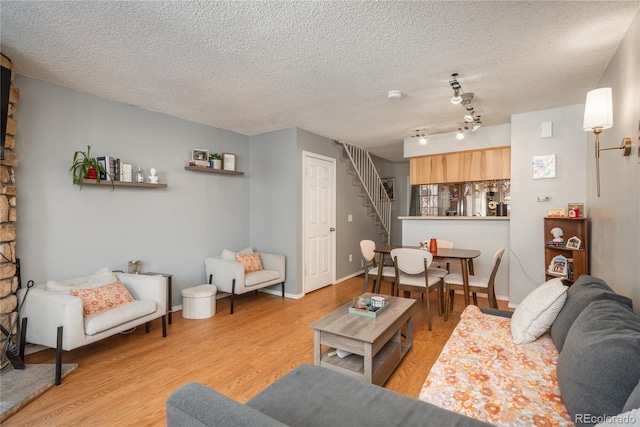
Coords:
pixel 125 379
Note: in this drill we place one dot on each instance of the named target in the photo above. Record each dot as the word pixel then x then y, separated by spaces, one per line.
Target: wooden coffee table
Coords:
pixel 377 343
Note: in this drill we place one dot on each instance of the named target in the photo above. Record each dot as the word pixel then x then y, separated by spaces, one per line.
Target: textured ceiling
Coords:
pixel 254 67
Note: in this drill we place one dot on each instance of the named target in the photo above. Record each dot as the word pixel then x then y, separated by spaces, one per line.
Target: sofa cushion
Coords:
pixel 312 396
pixel 260 277
pixel 579 295
pixel 537 311
pixel 251 262
pixel 598 367
pixel 117 316
pixel 102 298
pixel 196 405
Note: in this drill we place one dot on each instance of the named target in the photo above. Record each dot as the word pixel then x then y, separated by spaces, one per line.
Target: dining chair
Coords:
pixel 371 267
pixel 412 275
pixel 441 268
pixel 483 285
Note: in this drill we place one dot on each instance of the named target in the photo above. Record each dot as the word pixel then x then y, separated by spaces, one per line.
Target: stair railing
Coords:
pixel 372 184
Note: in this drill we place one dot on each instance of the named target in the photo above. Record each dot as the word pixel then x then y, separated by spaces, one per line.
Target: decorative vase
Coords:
pixel 217 164
pixel 92 173
pixel 433 246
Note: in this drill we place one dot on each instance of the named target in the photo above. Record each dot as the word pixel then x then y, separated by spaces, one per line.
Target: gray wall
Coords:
pixel 615 215
pixel 273 208
pixel 568 143
pixel 64 232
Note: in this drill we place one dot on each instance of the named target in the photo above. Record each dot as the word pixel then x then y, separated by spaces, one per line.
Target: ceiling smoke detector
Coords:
pixel 394 94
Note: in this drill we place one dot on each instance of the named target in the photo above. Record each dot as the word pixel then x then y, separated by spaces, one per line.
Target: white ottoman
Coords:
pixel 199 302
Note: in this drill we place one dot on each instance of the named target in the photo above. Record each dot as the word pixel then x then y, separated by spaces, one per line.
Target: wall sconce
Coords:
pixel 598 115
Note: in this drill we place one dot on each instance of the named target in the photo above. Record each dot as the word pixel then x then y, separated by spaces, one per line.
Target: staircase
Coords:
pixel 371 185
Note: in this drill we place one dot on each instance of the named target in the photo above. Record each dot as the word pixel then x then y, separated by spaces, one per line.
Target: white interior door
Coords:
pixel 319 189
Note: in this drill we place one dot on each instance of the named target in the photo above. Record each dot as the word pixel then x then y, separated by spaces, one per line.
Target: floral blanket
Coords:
pixel 481 373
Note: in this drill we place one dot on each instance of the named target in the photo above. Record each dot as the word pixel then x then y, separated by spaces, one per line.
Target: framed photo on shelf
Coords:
pixel 558 266
pixel 229 161
pixel 200 154
pixel 574 243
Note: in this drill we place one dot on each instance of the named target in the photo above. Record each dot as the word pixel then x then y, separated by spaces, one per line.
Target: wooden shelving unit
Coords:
pixel 578 227
pixel 212 170
pixel 107 183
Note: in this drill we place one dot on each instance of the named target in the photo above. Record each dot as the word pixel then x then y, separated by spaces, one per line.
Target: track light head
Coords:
pixel 460 134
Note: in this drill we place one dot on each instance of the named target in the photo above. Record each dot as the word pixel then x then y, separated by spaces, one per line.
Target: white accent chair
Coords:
pixel 228 274
pixel 55 318
pixel 412 275
pixel 371 267
pixel 483 285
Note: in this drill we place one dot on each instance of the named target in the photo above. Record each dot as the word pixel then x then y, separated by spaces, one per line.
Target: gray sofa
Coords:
pixel 308 396
pixel 596 333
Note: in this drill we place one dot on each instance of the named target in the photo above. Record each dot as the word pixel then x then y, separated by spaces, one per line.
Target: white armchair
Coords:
pixel 229 276
pixel 56 319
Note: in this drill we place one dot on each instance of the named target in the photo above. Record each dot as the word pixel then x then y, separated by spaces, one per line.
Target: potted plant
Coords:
pixel 216 159
pixel 85 166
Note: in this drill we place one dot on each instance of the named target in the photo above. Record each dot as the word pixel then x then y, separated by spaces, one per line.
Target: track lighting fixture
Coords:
pixel 423 137
pixel 455 85
pixel 466 99
pixel 475 124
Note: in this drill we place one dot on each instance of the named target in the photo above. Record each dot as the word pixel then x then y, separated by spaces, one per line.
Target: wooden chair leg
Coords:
pixel 452 295
pixel 447 297
pixel 475 298
pixel 58 378
pixel 164 326
pixel 233 294
pixel 428 311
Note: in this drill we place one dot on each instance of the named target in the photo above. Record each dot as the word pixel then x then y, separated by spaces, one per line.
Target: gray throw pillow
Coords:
pixel 598 367
pixel 583 292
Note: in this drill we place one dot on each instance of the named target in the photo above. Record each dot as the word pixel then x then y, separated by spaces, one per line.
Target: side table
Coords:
pixel 169 304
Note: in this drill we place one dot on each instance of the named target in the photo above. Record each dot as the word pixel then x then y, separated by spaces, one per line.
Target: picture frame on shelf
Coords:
pixel 229 161
pixel 558 266
pixel 555 212
pixel 574 243
pixel 200 154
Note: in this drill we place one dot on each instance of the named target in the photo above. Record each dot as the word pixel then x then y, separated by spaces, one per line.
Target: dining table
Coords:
pixel 465 256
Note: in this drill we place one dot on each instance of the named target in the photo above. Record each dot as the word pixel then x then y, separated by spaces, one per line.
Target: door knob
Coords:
pixel 332 229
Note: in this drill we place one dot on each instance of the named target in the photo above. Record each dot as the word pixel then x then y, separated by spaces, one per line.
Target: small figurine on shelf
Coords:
pixel 153 178
pixel 557 234
pixel 139 175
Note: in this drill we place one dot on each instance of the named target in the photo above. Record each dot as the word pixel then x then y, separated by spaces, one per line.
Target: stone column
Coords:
pixel 8 218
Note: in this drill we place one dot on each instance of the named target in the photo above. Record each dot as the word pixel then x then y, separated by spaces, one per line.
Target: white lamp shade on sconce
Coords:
pixel 598 109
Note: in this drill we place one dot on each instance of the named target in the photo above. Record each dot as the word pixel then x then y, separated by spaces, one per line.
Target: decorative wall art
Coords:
pixel 389 184
pixel 544 166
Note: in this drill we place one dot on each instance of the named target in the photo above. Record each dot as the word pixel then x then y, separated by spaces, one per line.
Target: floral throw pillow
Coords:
pixel 251 262
pixel 103 298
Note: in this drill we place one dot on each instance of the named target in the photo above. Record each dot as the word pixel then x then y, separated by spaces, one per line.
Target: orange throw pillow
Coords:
pixel 103 298
pixel 251 262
